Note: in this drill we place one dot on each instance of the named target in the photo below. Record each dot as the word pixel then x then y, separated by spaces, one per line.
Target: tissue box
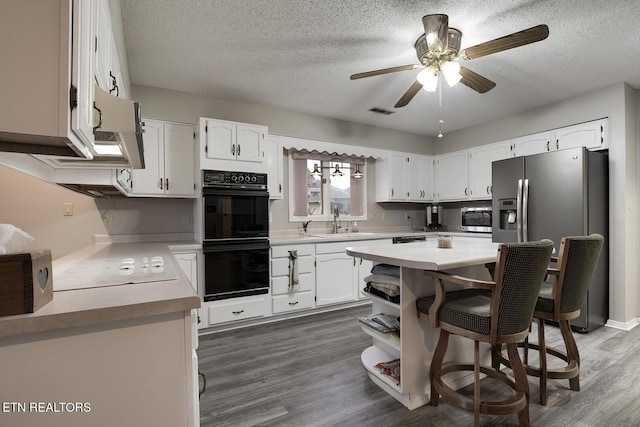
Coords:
pixel 26 281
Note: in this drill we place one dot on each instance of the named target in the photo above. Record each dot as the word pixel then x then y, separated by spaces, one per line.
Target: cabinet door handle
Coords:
pixel 392 192
pixel 161 184
pixel 166 183
pixel 238 149
pixel 280 188
pixel 547 145
pixel 557 144
pixel 237 312
pixel 233 149
pixel 354 262
pixel 487 189
pixel 466 193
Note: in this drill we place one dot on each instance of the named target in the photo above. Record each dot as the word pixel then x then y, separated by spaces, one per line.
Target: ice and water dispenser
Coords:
pixel 508 214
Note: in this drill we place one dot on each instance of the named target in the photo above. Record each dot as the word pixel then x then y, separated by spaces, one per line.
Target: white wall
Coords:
pixel 165 104
pixel 618 102
pixel 37 207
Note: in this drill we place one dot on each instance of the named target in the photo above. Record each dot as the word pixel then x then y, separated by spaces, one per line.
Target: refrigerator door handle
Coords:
pixel 525 209
pixel 519 211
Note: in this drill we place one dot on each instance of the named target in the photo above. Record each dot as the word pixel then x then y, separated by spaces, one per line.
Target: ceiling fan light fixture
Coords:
pixel 428 78
pixel 436 28
pixel 451 71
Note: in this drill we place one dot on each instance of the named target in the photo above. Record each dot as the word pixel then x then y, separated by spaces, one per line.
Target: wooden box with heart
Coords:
pixel 26 281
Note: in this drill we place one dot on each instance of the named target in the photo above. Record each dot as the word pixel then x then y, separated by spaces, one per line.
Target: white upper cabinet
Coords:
pixel 232 146
pixel 420 177
pixel 391 182
pixel 480 159
pixel 275 173
pixel 451 176
pixel 533 144
pixel 593 135
pixel 47 77
pixel 169 161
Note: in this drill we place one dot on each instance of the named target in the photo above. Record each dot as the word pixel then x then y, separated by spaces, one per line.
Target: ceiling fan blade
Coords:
pixel 384 71
pixel 521 38
pixel 409 94
pixel 475 81
pixel 436 31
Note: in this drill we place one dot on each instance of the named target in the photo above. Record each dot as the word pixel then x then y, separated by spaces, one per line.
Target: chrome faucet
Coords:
pixel 336 215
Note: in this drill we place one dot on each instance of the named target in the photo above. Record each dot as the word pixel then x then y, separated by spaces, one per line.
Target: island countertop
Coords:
pixel 427 255
pixel 94 303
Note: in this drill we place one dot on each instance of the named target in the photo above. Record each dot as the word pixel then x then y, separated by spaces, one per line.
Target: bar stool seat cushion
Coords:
pixel 468 309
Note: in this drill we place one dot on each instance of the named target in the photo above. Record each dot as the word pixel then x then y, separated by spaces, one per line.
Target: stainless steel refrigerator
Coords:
pixel 552 195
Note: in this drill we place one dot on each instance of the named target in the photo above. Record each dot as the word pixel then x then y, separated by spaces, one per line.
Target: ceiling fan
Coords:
pixel 438 51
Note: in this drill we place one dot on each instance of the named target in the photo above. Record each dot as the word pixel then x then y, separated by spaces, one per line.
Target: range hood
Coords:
pixel 119 124
pixel 117 135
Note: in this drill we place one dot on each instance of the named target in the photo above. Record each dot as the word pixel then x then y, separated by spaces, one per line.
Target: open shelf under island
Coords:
pixel 417 339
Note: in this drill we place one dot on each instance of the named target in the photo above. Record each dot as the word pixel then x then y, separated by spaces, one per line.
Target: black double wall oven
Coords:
pixel 236 234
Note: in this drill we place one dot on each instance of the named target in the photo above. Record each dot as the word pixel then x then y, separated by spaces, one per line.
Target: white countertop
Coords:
pixel 80 303
pixel 318 237
pixel 427 255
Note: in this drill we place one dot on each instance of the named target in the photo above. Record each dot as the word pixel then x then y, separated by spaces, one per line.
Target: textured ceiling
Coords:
pixel 299 54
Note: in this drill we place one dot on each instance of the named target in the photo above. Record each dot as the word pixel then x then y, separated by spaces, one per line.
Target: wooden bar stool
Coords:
pixel 495 312
pixel 560 302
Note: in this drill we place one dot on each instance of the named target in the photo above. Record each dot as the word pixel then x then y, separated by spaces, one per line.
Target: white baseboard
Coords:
pixel 625 326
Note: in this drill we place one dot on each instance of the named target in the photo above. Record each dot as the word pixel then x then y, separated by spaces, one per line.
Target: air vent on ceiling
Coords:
pixel 381 111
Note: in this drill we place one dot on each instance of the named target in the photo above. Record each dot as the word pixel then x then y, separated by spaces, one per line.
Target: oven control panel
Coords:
pixel 232 179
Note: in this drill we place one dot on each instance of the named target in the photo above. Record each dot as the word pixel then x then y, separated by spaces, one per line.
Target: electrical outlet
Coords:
pixel 68 209
pixel 106 219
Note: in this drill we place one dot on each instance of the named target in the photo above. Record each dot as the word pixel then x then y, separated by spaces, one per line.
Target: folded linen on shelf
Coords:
pixel 391 290
pixel 390 270
pixel 373 291
pixel 383 278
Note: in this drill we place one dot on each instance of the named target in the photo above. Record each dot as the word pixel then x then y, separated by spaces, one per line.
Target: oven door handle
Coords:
pixel 207 191
pixel 244 244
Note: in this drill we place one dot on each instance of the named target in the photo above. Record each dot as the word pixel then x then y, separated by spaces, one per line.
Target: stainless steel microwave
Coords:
pixel 476 219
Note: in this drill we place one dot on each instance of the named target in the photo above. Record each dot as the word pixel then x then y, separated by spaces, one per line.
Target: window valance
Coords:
pixel 330 148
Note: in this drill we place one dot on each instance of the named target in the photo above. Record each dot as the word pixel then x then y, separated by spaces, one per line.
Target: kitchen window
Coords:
pixel 320 182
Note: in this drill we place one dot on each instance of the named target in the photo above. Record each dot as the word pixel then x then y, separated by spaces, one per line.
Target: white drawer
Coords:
pixel 280 285
pixel 297 301
pixel 283 251
pixel 280 266
pixel 238 309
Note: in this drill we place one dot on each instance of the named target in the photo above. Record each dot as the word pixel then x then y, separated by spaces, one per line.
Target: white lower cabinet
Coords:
pixel 334 278
pixel 234 309
pixel 286 294
pixel 188 262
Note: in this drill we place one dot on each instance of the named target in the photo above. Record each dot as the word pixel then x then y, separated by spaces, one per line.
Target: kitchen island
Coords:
pixel 104 352
pixel 418 340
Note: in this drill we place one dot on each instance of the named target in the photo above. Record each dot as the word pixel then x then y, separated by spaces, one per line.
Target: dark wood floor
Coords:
pixel 307 372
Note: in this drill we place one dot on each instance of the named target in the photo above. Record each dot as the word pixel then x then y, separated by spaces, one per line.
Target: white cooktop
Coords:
pixel 113 265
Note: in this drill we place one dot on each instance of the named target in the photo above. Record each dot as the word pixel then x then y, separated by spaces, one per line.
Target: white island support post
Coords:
pixel 417 339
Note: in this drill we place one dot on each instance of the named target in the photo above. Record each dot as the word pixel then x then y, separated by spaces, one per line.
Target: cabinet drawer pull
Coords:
pixel 547 145
pixel 238 312
pixel 557 144
pixel 293 303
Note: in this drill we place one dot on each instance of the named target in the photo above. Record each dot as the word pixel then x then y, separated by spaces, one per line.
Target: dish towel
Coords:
pixel 293 269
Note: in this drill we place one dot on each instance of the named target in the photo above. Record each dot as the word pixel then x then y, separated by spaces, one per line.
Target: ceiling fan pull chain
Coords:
pixel 440 107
